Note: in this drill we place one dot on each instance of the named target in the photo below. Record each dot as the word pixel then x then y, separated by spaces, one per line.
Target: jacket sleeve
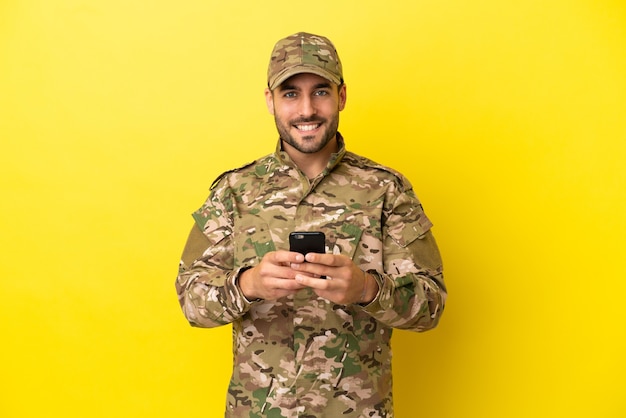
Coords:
pixel 206 284
pixel 412 293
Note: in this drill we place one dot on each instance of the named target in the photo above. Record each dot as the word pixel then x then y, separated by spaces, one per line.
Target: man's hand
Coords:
pixel 273 277
pixel 345 283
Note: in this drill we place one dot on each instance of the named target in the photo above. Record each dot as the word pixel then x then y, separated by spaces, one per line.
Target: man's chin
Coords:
pixel 307 143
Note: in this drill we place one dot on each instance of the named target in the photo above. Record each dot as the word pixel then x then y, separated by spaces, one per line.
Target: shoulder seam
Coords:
pixel 218 178
pixel 406 184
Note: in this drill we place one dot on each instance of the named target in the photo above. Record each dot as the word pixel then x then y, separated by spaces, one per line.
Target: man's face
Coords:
pixel 306 111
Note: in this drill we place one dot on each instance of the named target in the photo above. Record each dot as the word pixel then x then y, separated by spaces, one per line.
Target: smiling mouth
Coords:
pixel 307 127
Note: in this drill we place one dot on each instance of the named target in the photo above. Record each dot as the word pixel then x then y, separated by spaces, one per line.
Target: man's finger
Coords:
pixel 330 260
pixel 280 257
pixel 312 282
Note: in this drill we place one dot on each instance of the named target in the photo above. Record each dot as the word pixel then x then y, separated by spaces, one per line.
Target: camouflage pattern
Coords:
pixel 304 53
pixel 303 356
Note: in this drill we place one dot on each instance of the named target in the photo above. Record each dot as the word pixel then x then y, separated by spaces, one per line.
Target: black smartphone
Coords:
pixel 307 242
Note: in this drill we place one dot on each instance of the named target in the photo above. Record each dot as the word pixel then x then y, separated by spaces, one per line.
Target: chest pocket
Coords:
pixel 345 239
pixel 359 238
pixel 252 241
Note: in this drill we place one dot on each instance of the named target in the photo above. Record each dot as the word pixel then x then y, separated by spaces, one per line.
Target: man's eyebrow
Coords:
pixel 286 86
pixel 322 86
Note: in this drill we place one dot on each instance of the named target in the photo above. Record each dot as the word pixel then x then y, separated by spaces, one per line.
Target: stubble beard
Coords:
pixel 307 145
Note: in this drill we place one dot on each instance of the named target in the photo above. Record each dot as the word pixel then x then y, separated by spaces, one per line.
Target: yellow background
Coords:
pixel 508 117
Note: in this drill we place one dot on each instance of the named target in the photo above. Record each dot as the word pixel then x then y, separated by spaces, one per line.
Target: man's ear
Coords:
pixel 269 100
pixel 342 97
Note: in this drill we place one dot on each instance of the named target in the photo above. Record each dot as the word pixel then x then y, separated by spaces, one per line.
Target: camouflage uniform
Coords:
pixel 303 356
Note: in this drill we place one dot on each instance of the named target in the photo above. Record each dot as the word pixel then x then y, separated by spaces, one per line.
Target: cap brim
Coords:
pixel 301 69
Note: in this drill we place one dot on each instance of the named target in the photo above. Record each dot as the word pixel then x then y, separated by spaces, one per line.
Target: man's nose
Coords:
pixel 307 107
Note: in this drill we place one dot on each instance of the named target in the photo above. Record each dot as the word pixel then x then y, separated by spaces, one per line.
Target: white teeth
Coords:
pixel 306 127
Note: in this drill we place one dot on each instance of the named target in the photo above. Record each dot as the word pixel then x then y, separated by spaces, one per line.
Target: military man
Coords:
pixel 311 333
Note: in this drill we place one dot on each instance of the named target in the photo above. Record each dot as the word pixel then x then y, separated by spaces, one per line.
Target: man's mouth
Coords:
pixel 308 127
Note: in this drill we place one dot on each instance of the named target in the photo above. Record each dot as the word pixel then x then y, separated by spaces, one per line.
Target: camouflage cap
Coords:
pixel 304 53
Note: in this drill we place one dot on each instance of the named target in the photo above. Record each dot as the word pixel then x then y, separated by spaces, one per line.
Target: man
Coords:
pixel 311 334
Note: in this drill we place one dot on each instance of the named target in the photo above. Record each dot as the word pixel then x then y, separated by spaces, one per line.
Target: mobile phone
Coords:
pixel 307 242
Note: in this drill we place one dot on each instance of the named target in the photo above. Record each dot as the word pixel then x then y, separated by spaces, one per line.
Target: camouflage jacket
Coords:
pixel 304 356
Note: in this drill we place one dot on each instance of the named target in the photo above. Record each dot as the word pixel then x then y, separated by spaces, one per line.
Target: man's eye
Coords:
pixel 290 94
pixel 321 93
